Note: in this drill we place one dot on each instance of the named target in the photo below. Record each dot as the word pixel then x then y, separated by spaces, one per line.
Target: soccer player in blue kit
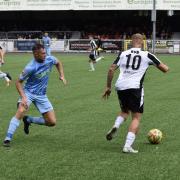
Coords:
pixel 47 42
pixel 36 74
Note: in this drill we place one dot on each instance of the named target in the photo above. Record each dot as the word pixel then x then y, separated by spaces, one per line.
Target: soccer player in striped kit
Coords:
pixel 93 54
pixel 133 65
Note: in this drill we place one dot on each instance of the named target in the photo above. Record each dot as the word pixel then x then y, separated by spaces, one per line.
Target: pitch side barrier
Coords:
pixel 82 45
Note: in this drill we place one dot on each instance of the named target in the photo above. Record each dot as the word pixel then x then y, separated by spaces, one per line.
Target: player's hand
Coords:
pixel 63 80
pixel 24 102
pixel 8 83
pixel 1 62
pixel 107 93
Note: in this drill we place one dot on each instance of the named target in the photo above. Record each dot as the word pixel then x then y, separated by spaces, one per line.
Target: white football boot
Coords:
pixel 129 150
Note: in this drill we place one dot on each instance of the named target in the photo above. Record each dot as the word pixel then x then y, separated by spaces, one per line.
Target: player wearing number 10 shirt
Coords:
pixel 133 64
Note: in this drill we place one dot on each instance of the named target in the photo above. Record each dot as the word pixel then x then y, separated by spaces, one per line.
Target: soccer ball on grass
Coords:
pixel 155 136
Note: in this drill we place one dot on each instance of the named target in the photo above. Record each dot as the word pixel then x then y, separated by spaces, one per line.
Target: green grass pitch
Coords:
pixel 76 149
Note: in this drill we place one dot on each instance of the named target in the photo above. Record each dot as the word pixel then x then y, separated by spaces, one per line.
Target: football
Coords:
pixel 155 136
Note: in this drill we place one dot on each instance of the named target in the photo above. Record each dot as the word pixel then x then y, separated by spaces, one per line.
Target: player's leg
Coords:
pixel 91 64
pixel 50 118
pixel 136 104
pixel 98 52
pixel 47 119
pixel 123 115
pixel 98 58
pixel 91 61
pixel 15 121
pixel 14 124
pixel 131 135
pixel 48 51
pixel 45 107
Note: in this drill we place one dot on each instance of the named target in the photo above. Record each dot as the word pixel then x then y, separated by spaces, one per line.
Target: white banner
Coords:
pixel 7 46
pixel 88 5
pixel 57 45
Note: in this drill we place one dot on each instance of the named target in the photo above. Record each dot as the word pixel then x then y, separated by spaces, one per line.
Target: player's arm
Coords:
pixel 20 90
pixel 60 69
pixel 95 46
pixel 161 66
pixel 110 76
pixel 28 70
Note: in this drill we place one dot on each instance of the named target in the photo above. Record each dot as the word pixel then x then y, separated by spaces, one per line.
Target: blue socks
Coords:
pixel 13 125
pixel 36 120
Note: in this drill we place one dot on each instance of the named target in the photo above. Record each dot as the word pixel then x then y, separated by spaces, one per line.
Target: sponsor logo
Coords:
pixel 140 2
pixel 130 1
pixel 10 3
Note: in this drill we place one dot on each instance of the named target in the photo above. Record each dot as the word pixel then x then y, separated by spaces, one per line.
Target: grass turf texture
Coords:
pixel 76 148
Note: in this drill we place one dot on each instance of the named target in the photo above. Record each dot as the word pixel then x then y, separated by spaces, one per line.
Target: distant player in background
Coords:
pixel 36 74
pixel 46 40
pixel 3 75
pixel 1 55
pixel 133 64
pixel 93 54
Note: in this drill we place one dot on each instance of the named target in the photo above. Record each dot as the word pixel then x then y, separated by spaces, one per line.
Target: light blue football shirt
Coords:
pixel 46 41
pixel 37 74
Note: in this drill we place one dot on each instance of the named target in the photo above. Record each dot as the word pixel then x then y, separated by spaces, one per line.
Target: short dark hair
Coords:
pixel 37 46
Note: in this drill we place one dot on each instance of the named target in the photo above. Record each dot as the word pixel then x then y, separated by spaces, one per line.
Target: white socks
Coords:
pixel 92 66
pixel 99 58
pixel 129 139
pixel 119 120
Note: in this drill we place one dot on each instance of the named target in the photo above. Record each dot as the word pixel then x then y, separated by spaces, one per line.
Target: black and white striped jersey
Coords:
pixel 133 64
pixel 93 49
pixel 93 44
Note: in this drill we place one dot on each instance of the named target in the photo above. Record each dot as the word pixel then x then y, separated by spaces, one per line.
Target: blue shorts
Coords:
pixel 41 102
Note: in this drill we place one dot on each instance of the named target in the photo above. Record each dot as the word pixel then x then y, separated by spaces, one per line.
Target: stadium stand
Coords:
pixel 81 24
